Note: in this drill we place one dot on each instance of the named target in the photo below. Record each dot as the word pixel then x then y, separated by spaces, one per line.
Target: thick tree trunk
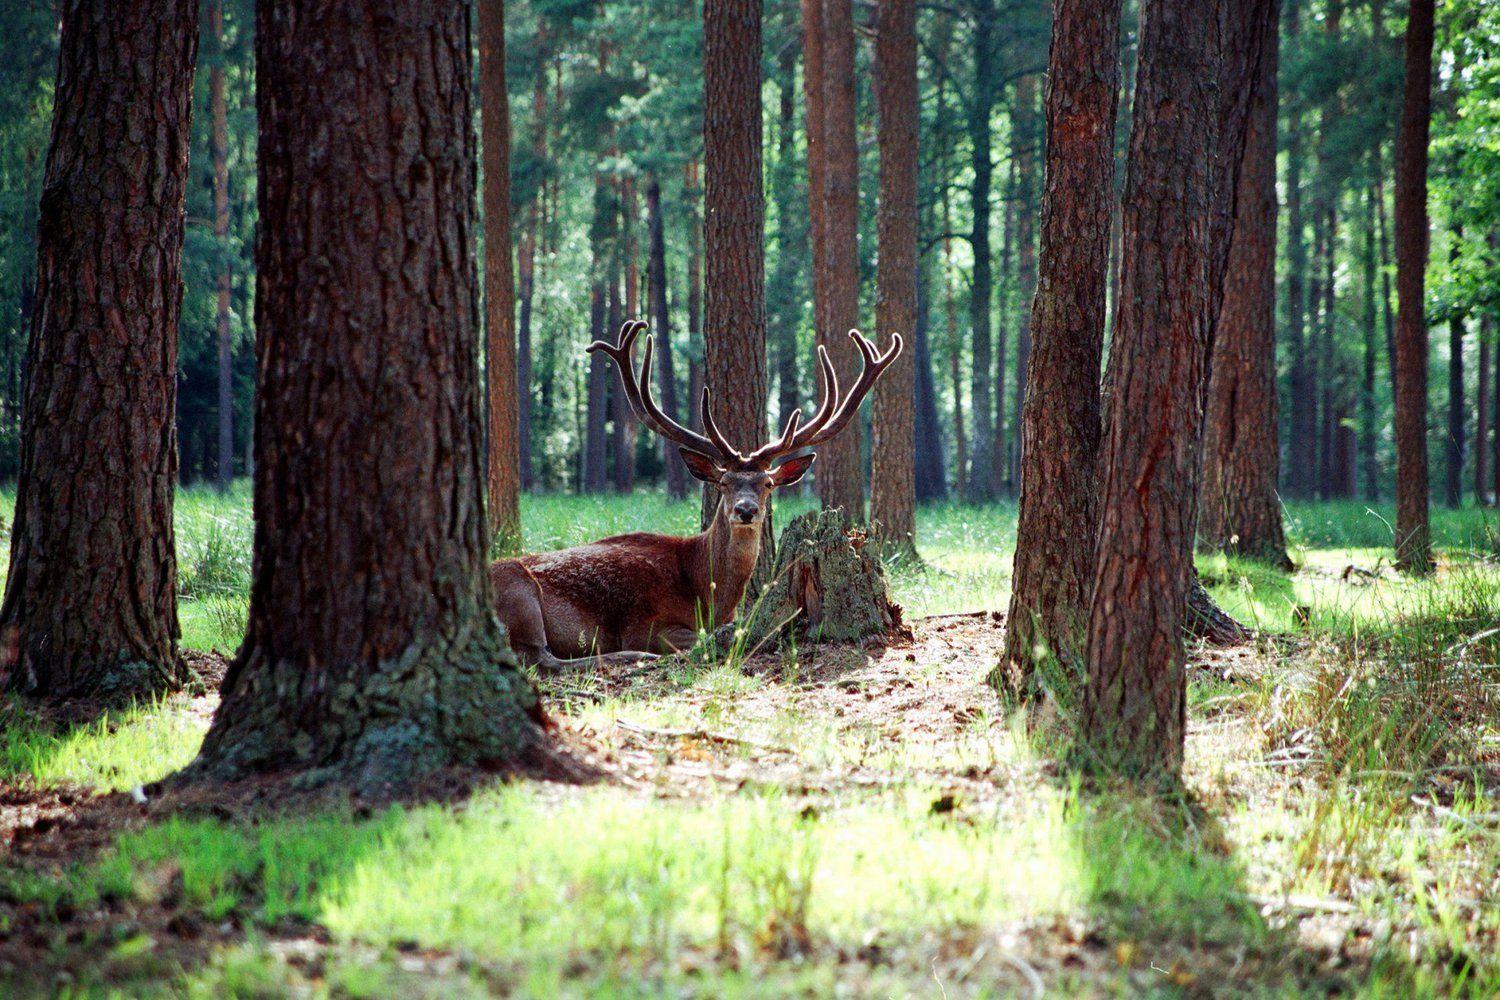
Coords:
pixel 840 473
pixel 1024 142
pixel 91 597
pixel 503 495
pixel 734 330
pixel 1198 63
pixel 1239 510
pixel 1413 535
pixel 223 332
pixel 892 442
pixel 1055 533
pixel 373 654
pixel 982 460
pixel 656 291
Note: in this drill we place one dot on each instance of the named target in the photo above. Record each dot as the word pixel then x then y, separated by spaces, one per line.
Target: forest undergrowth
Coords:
pixel 811 819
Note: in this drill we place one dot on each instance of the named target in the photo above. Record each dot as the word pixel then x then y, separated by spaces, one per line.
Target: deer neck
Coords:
pixel 724 560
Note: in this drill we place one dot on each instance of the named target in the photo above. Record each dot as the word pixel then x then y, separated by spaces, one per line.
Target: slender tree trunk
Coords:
pixel 1413 536
pixel 784 293
pixel 982 485
pixel 1060 421
pixel 656 285
pixel 693 193
pixel 1198 63
pixel 1239 510
pixel 817 165
pixel 1368 429
pixel 626 430
pixel 840 474
pixel 1327 368
pixel 504 487
pixel 373 654
pixel 1482 421
pixel 596 441
pixel 90 603
pixel 893 442
pixel 1304 442
pixel 931 477
pixel 1454 494
pixel 526 275
pixel 1024 141
pixel 223 333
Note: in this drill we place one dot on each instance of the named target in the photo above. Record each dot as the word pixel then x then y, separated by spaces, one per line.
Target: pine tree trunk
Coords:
pixel 981 460
pixel 1368 429
pixel 817 165
pixel 840 473
pixel 1413 536
pixel 373 654
pixel 223 333
pixel 626 429
pixel 930 476
pixel 526 277
pixel 1198 62
pixel 784 293
pixel 91 597
pixel 1055 532
pixel 892 439
pixel 656 286
pixel 1303 445
pixel 734 210
pixel 596 441
pixel 1456 410
pixel 1239 510
pixel 693 193
pixel 1482 418
pixel 503 495
pixel 1024 142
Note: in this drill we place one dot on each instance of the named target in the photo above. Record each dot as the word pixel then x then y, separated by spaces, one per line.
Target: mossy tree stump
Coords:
pixel 829 585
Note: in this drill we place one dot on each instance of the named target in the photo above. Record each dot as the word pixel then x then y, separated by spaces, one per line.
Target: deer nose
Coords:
pixel 746 510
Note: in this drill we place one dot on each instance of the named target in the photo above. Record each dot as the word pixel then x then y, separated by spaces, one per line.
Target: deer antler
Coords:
pixel 835 408
pixel 638 393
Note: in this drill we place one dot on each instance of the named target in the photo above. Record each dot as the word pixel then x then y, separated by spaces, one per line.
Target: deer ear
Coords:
pixel 792 470
pixel 701 466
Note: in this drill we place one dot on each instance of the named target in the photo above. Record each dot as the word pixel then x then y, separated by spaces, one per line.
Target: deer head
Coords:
pixel 746 480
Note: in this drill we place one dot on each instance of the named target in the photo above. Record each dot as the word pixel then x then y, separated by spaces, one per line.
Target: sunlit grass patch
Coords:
pixel 126 748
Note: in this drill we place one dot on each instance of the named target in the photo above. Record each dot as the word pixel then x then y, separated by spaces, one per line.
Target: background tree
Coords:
pixel 1060 441
pixel 1197 66
pixel 90 602
pixel 372 649
pixel 1413 535
pixel 1239 510
pixel 892 442
pixel 503 495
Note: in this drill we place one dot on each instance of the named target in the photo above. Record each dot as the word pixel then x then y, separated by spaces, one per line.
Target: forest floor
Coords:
pixel 819 820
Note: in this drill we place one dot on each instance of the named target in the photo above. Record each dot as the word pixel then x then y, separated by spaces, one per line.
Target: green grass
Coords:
pixel 1356 768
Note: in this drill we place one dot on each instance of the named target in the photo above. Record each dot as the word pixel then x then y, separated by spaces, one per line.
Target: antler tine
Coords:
pixel 828 396
pixel 822 428
pixel 726 450
pixel 638 389
pixel 775 449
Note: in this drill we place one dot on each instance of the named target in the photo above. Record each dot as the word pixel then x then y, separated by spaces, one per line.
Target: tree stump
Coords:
pixel 829 585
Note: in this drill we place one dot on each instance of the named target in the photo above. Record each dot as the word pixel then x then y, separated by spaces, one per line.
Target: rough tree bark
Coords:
pixel 373 654
pixel 1198 62
pixel 982 459
pixel 1239 510
pixel 1413 535
pixel 892 443
pixel 656 292
pixel 503 496
pixel 223 332
pixel 1055 532
pixel 91 597
pixel 1024 143
pixel 840 474
pixel 734 317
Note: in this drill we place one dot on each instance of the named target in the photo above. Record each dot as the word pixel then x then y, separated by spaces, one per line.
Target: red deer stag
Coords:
pixel 627 598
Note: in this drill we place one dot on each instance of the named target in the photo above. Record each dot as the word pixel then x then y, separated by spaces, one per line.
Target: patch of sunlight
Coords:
pixel 134 746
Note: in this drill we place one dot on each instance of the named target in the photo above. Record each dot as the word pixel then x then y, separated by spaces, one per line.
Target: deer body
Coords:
pixel 627 594
pixel 630 597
